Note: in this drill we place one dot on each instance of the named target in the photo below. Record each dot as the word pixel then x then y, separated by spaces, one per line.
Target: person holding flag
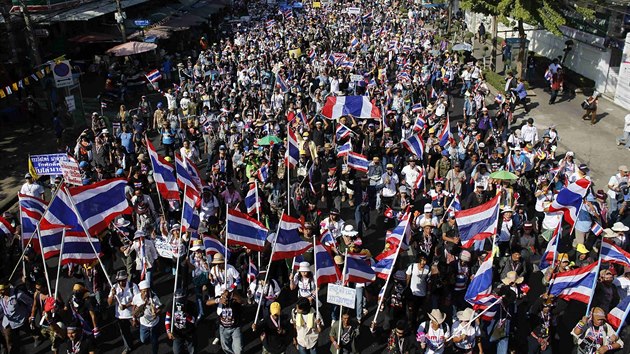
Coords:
pixel 265 292
pixel 595 335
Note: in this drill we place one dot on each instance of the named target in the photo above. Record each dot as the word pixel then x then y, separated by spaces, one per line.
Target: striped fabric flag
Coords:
pixel 617 316
pixel 326 270
pixel 281 84
pixel 78 249
pixel 576 284
pixel 357 161
pixel 415 145
pixel 190 210
pixel 610 252
pixel 252 271
pixel 245 231
pixel 596 228
pixel 287 243
pixel 98 204
pixel 6 230
pixel 163 174
pixel 252 200
pixel 358 270
pixel 212 246
pixel 569 200
pixel 154 75
pixel 344 149
pixel 342 132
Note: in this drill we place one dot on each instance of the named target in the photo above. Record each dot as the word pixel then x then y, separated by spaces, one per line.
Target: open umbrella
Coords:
pixel 503 175
pixel 268 140
pixel 462 46
pixel 131 48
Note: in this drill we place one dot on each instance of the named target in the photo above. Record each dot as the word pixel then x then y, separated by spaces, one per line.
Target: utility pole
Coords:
pixel 495 27
pixel 30 37
pixel 120 17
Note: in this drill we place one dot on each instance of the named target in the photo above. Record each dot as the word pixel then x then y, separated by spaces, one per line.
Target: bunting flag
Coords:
pixel 25 81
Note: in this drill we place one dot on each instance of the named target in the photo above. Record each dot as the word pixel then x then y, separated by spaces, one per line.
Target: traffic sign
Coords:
pixel 141 23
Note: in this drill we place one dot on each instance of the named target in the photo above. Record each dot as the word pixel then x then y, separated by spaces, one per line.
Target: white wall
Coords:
pixel 584 59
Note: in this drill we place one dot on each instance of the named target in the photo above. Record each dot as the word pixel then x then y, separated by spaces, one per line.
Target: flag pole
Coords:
pixel 227 212
pixel 314 275
pixel 63 239
pixel 153 167
pixel 475 318
pixel 288 191
pixel 36 231
pixel 380 302
pixel 343 281
pixel 273 247
pixel 599 263
pixel 179 244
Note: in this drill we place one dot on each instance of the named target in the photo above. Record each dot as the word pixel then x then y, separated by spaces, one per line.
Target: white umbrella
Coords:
pixel 463 46
pixel 131 48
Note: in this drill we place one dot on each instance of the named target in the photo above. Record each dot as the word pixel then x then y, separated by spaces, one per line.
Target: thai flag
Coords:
pixel 357 161
pixel 415 145
pixel 389 213
pixel 78 250
pixel 339 57
pixel 372 83
pixel 511 164
pixel 419 125
pixel 547 258
pixel 59 213
pixel 288 243
pixel 486 301
pixel 31 211
pixel 455 205
pixel 252 271
pixel 280 83
pixel 614 254
pixel 596 228
pixel 344 149
pixel 478 223
pixel 386 260
pixel 190 213
pixel 356 106
pixel 416 108
pixel 270 24
pixel 354 42
pixel 263 173
pixel 617 316
pixel 302 117
pixel 481 284
pixel 418 183
pixel 327 239
pixel 342 132
pixel 377 32
pixel 143 257
pixel 569 200
pixel 6 229
pixel 252 201
pixel 163 174
pixel 403 76
pixel 331 59
pixel 212 246
pixel 292 155
pixel 154 75
pixel 358 270
pixel 347 64
pixel 433 94
pixel 296 262
pixel 246 231
pixel 187 174
pixel 103 104
pixel 326 270
pixel 100 203
pixel 576 284
pixel 446 136
pixel 367 16
pixel 287 14
pixel 312 54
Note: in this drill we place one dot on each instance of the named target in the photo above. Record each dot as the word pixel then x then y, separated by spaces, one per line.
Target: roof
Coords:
pixel 84 12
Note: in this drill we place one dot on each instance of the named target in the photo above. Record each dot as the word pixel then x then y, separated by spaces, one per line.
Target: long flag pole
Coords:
pixel 42 252
pixel 343 282
pixel 380 301
pixel 179 244
pixel 273 247
pixel 315 275
pixel 63 240
pixel 258 206
pixel 599 263
pixel 153 167
pixel 36 231
pixel 227 213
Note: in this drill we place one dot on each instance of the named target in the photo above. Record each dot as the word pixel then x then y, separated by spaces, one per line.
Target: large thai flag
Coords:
pixel 481 284
pixel 60 212
pixel 344 149
pixel 569 200
pixel 419 125
pixel 245 231
pixel 252 201
pixel 31 211
pixel 478 223
pixel 576 284
pixel 288 243
pixel 358 270
pixel 357 161
pixel 546 260
pixel 342 132
pixel 163 174
pixel 614 254
pixel 100 203
pixel 415 145
pixel 292 155
pixel 190 212
pixel 78 250
pixel 445 135
pixel 617 316
pixel 326 270
pixel 212 246
pixel 386 260
pixel 281 84
pixel 187 174
pixel 356 106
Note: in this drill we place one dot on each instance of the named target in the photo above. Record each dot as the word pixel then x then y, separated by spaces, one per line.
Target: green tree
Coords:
pixel 546 14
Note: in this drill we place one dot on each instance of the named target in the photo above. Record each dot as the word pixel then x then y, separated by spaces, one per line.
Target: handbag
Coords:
pixel 586 104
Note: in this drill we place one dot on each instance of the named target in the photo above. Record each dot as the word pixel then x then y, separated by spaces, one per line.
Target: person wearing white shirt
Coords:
pixel 427 217
pixel 465 333
pixel 121 297
pixel 189 151
pixel 147 308
pixel 623 285
pixel 614 186
pixel 390 183
pixel 417 278
pixel 411 172
pixel 432 334
pixel 209 205
pixel 529 132
pixel 184 104
pixel 146 254
pixel 31 188
pixel 625 139
pixel 171 101
pixel 220 278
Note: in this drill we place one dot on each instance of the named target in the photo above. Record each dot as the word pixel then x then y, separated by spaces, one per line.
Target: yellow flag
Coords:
pixel 47 69
pixel 2 94
pixel 26 81
pixel 14 86
pixel 31 169
pixel 317 4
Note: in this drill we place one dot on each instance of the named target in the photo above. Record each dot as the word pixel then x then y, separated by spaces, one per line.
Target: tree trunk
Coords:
pixel 520 63
pixel 30 37
pixel 495 27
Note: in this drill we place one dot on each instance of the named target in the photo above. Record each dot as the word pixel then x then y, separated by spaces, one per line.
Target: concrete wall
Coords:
pixel 584 59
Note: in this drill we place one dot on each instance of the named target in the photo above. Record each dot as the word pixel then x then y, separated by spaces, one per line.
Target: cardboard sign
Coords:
pixel 295 53
pixel 165 249
pixel 70 103
pixel 317 4
pixel 341 295
pixel 71 172
pixel 48 164
pixel 354 10
pixel 356 78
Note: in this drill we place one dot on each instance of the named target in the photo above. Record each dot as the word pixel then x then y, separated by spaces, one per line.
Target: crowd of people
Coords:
pixel 230 107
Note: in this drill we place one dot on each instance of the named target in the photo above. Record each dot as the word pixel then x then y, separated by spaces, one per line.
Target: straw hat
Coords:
pixel 218 258
pixel 609 233
pixel 437 316
pixel 511 277
pixel 338 260
pixel 619 227
pixel 121 275
pixel 465 315
pixel 122 222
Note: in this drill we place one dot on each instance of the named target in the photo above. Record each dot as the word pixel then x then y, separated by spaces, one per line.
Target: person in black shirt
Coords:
pixel 78 343
pixel 274 331
pixel 229 312
pixel 180 323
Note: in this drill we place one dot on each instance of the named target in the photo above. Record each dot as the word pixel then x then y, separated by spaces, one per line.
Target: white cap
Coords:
pixel 428 208
pixel 144 285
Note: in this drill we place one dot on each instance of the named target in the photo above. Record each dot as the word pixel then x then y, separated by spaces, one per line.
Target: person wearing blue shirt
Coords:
pixel 168 139
pixel 521 94
pixel 126 140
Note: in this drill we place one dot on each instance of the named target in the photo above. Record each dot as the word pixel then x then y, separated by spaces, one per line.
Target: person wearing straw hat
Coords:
pixel 15 306
pixel 466 334
pixel 222 279
pixel 595 335
pixel 266 292
pixel 121 298
pixel 619 230
pixel 432 334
